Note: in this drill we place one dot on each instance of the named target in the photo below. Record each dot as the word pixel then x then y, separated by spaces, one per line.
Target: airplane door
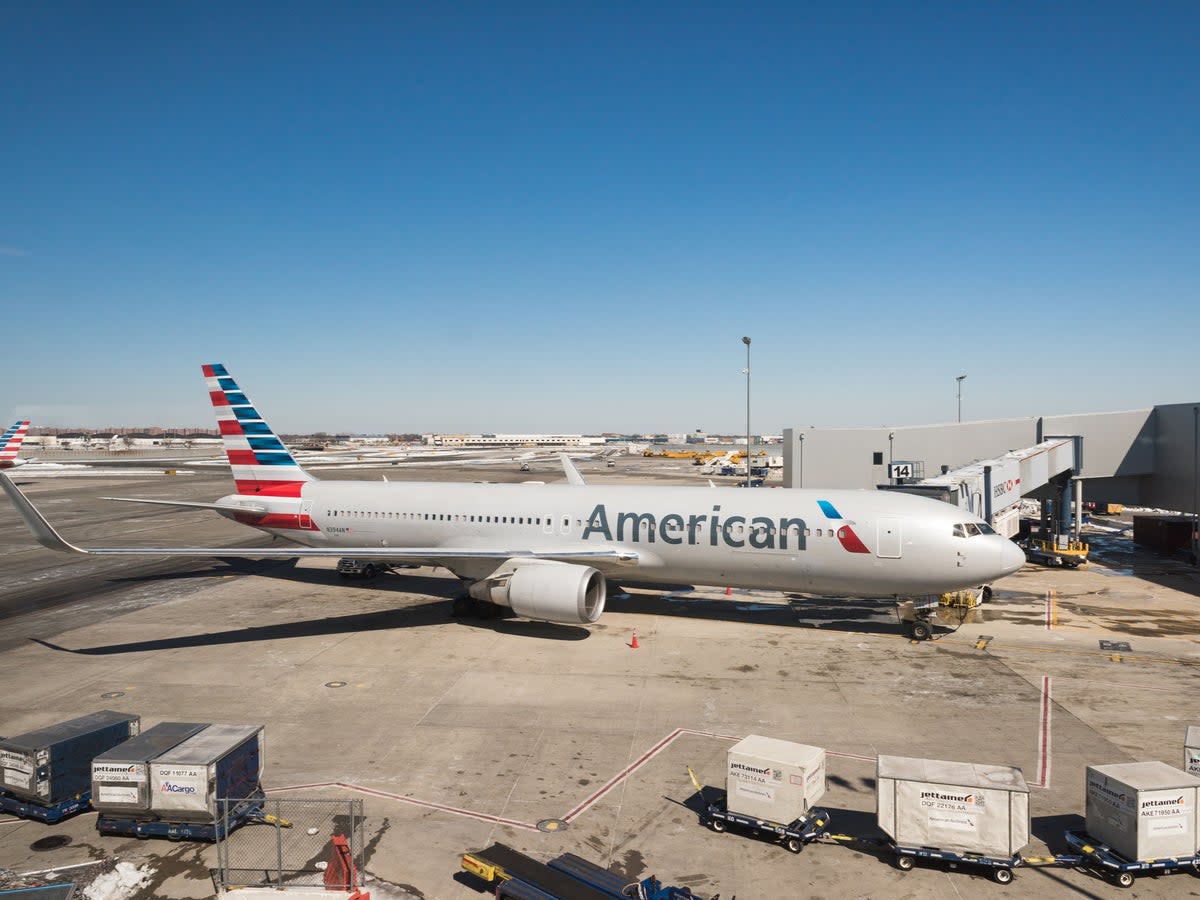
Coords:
pixel 306 514
pixel 887 544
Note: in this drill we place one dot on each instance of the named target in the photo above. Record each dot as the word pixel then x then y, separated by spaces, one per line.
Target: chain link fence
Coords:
pixel 292 844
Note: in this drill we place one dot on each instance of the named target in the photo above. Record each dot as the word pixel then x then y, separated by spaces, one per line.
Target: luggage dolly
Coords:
pixel 1001 867
pixel 1105 861
pixel 792 836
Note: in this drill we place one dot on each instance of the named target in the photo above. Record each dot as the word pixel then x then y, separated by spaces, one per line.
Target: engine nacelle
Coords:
pixel 546 591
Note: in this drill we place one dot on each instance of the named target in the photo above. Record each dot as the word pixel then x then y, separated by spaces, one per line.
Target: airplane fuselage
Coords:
pixel 836 543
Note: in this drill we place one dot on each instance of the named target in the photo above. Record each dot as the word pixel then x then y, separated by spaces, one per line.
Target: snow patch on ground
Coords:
pixel 120 884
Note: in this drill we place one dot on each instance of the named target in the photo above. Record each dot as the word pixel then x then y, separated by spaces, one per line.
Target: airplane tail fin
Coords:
pixel 10 441
pixel 261 464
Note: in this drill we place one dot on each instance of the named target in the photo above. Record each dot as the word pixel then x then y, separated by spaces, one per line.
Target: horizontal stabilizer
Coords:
pixel 190 504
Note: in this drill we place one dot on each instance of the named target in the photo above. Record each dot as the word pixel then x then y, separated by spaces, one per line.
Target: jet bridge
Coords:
pixel 992 488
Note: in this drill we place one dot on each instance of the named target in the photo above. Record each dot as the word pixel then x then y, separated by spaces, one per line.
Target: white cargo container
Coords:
pixel 773 780
pixel 221 762
pixel 955 806
pixel 1143 811
pixel 1191 750
pixel 121 776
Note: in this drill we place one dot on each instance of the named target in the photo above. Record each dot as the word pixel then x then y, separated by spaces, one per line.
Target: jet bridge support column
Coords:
pixel 1078 508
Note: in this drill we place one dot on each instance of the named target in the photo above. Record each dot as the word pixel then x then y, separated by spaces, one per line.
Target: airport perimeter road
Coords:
pixel 457 733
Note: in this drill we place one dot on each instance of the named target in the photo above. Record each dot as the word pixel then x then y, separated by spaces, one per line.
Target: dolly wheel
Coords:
pixel 369 571
pixel 1125 879
pixel 1002 876
pixel 921 631
pixel 718 826
pixel 794 845
pixel 905 863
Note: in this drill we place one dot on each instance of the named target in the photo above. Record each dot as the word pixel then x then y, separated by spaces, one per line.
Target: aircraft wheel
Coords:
pixel 921 632
pixel 905 863
pixel 369 571
pixel 794 845
pixel 461 607
pixel 1003 876
pixel 717 825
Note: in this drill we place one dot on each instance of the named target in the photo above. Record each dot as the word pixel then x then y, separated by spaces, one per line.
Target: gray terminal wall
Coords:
pixel 1143 457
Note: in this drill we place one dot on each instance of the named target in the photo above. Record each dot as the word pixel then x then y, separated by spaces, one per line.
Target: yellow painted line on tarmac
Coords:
pixel 1116 657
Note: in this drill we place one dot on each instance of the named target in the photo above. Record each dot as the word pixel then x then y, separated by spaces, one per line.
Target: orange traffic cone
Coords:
pixel 728 592
pixel 634 644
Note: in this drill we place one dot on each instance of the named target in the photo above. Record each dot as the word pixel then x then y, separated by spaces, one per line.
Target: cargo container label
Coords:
pixel 112 794
pixel 1191 757
pixel 116 772
pixel 18 761
pixel 18 779
pixel 761 792
pixel 1115 798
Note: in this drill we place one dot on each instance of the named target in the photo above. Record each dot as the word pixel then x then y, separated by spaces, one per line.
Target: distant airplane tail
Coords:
pixel 10 442
pixel 261 464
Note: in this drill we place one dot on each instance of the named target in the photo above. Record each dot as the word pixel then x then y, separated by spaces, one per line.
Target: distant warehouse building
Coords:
pixel 1141 457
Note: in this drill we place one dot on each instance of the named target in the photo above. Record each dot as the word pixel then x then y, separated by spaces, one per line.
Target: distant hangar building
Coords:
pixel 1141 457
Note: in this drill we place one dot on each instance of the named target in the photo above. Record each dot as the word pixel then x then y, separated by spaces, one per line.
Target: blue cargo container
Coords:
pixel 54 764
pixel 222 761
pixel 121 776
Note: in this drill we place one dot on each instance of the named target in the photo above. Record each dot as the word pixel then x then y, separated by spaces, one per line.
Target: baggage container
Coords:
pixel 1191 750
pixel 121 776
pixel 55 763
pixel 961 807
pixel 773 780
pixel 222 761
pixel 1143 811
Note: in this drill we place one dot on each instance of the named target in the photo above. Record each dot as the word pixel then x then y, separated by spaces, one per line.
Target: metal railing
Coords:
pixel 292 843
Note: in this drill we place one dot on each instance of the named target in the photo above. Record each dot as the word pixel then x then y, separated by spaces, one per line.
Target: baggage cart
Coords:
pixel 215 829
pixel 810 827
pixel 1000 868
pixel 1105 861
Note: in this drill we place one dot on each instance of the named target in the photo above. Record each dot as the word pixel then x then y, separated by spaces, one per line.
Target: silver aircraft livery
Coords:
pixel 544 550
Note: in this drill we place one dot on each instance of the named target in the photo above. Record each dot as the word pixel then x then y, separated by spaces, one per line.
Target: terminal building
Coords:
pixel 1142 457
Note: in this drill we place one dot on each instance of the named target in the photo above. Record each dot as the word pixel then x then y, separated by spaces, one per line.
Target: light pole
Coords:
pixel 959 379
pixel 746 341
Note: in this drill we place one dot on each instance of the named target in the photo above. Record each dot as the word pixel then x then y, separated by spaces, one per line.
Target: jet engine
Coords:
pixel 545 590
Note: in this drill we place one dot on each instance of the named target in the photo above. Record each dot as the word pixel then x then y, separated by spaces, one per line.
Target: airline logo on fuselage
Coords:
pixel 756 533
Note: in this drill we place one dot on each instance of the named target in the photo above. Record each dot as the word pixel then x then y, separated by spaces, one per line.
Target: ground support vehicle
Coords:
pixel 808 828
pixel 1000 868
pixel 51 813
pixel 216 829
pixel 360 568
pixel 1068 554
pixel 1105 861
pixel 566 877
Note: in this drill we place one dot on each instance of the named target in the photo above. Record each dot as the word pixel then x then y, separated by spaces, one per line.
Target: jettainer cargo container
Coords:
pixel 222 761
pixel 1191 750
pixel 955 806
pixel 1144 811
pixel 121 776
pixel 773 780
pixel 52 764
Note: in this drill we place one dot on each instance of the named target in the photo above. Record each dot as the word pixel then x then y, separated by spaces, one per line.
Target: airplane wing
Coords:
pixel 45 534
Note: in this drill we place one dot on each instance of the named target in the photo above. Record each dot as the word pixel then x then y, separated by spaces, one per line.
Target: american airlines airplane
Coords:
pixel 544 551
pixel 10 444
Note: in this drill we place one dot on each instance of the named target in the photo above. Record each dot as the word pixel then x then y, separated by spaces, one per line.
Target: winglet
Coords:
pixel 34 520
pixel 573 476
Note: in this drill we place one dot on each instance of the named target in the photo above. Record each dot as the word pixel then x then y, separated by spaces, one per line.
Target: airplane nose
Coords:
pixel 1012 557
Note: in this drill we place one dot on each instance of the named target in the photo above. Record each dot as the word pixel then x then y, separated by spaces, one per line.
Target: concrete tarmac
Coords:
pixel 457 733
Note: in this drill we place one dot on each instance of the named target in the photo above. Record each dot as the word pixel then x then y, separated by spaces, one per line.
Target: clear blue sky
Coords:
pixel 563 217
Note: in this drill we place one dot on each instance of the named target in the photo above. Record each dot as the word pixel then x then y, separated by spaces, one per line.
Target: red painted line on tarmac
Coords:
pixel 623 774
pixel 400 798
pixel 1044 736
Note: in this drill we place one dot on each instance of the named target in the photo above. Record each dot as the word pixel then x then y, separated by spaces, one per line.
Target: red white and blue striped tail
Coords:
pixel 10 442
pixel 260 463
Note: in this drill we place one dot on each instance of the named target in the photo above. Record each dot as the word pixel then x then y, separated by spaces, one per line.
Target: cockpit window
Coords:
pixel 985 528
pixel 972 529
pixel 959 531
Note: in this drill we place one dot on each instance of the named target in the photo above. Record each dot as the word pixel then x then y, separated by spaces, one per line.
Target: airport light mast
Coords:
pixel 746 341
pixel 959 379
